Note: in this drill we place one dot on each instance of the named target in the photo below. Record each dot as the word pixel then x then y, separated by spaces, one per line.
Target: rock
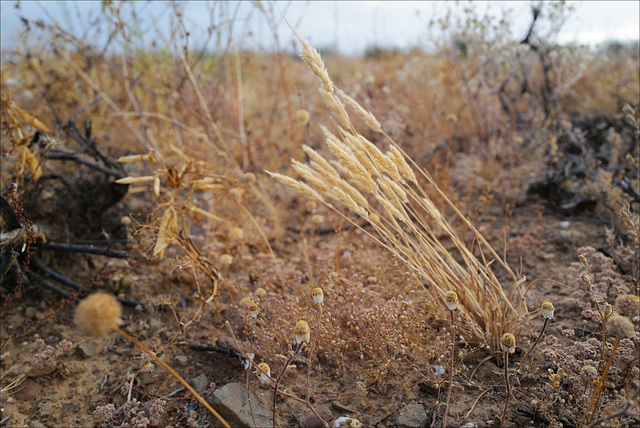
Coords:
pixel 232 404
pixel 147 379
pixel 312 421
pixel 341 407
pixel 44 409
pixel 411 416
pixel 200 383
pixel 181 359
pixel 86 350
pixel 29 390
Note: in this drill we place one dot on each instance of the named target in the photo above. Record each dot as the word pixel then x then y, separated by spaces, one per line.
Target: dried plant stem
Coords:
pixel 597 391
pixel 174 374
pixel 275 386
pixel 453 344
pixel 506 378
pixel 546 321
pixel 313 346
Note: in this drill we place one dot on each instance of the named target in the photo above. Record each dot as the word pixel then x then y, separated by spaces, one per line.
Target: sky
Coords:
pixel 349 26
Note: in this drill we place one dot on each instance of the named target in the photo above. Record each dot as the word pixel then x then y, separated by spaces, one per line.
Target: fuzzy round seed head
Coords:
pixel 260 292
pixel 318 295
pixel 508 343
pixel 452 300
pixel 236 234
pixel 98 314
pixel 245 302
pixel 547 310
pixel 302 332
pixel 317 219
pixel 620 326
pixel 302 116
pixel 263 372
pixel 226 259
pixel 628 304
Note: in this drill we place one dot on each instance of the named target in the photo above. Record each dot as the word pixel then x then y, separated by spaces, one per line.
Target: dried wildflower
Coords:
pixel 302 332
pixel 245 302
pixel 508 343
pixel 620 326
pixel 98 314
pixel 302 116
pixel 547 310
pixel 260 292
pixel 318 295
pixel 452 300
pixel 226 259
pixel 236 234
pixel 263 372
pixel 317 219
pixel 253 310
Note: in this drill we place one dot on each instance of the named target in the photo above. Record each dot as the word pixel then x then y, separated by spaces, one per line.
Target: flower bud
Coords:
pixel 508 343
pixel 452 300
pixel 302 332
pixel 547 310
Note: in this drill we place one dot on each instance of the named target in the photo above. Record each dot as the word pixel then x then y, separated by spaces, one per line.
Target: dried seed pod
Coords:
pixel 607 310
pixel 98 314
pixel 302 332
pixel 452 300
pixel 508 343
pixel 547 310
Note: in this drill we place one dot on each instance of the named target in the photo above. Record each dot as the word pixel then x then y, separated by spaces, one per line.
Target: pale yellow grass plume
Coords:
pixel 383 188
pixel 298 186
pixel 363 114
pixel 398 158
pixel 336 107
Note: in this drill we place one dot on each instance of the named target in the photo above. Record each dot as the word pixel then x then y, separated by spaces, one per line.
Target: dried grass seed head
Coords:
pixel 547 310
pixel 508 343
pixel 451 299
pixel 620 326
pixel 98 314
pixel 302 332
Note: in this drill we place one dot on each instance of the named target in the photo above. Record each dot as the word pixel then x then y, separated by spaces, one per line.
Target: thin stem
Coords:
pixel 174 374
pixel 506 378
pixel 453 344
pixel 546 321
pixel 275 386
pixel 595 397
